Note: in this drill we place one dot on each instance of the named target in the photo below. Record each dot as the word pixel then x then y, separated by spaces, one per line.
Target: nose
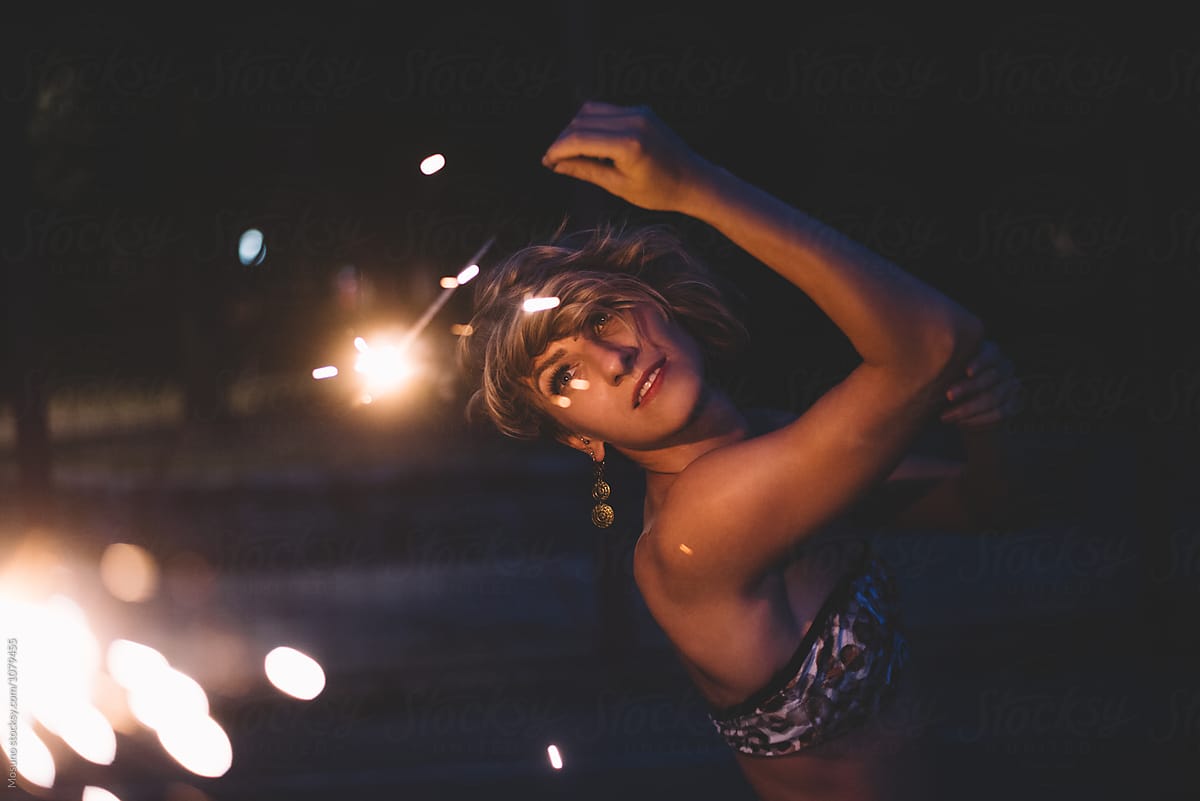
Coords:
pixel 614 361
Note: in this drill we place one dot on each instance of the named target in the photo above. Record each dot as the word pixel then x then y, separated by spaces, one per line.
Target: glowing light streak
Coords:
pixel 199 744
pixel 329 371
pixel 387 371
pixel 433 163
pixel 131 663
pixel 578 383
pixel 91 793
pixel 437 304
pixel 82 727
pixel 561 400
pixel 556 760
pixel 467 274
pixel 539 304
pixel 34 761
pixel 294 673
pixel 167 697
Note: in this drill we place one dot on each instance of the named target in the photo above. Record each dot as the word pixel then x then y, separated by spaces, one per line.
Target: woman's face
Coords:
pixel 634 380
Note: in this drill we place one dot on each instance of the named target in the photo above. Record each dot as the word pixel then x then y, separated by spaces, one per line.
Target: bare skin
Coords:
pixel 731 562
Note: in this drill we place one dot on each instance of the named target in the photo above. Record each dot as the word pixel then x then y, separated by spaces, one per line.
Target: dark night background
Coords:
pixel 1036 165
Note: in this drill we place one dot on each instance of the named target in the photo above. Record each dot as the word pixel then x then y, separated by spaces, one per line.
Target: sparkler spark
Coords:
pixel 465 275
pixel 198 744
pixel 468 273
pixel 539 304
pixel 294 673
pixel 385 367
pixel 92 793
pixel 433 163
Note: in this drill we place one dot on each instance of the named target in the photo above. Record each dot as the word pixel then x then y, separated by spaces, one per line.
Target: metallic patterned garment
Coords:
pixel 847 664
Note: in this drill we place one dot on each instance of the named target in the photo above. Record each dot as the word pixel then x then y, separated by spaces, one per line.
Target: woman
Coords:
pixel 794 647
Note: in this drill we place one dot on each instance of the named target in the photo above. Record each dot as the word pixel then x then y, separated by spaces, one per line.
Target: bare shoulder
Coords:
pixel 738 512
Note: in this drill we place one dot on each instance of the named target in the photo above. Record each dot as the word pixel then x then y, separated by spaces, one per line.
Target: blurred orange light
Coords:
pixel 129 572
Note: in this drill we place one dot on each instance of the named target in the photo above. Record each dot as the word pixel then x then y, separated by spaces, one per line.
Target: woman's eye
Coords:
pixel 599 322
pixel 560 380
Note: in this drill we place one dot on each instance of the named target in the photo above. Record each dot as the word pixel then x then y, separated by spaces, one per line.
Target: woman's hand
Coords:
pixel 988 394
pixel 630 153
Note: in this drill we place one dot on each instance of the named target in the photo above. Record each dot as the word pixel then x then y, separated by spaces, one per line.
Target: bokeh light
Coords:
pixel 91 793
pixel 433 163
pixel 165 697
pixel 294 673
pixel 34 761
pixel 539 304
pixel 252 247
pixel 129 572
pixel 198 743
pixel 328 371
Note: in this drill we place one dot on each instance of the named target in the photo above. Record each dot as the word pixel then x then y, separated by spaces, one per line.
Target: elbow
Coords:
pixel 956 342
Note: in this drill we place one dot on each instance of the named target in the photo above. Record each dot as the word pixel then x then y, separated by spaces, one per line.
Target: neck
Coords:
pixel 717 423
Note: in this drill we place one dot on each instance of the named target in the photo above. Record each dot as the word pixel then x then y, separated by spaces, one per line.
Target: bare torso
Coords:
pixel 744 642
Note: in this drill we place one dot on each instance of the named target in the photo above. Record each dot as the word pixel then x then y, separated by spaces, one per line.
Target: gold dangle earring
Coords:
pixel 602 513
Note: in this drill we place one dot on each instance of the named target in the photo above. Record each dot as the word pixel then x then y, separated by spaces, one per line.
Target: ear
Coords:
pixel 592 447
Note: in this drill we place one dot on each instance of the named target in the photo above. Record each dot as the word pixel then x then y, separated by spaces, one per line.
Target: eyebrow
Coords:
pixel 554 357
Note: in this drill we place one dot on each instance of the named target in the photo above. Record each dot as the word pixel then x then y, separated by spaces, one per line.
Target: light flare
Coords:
pixel 467 274
pixel 132 664
pixel 328 371
pixel 84 728
pixel 539 304
pixel 93 793
pixel 561 400
pixel 34 760
pixel 384 367
pixel 167 697
pixel 432 163
pixel 556 760
pixel 578 383
pixel 129 572
pixel 199 744
pixel 294 673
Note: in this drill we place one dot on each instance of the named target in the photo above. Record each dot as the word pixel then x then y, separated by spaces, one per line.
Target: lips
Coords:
pixel 647 386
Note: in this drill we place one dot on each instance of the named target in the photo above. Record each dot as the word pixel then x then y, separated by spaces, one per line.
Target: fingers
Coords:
pixel 593 122
pixel 586 169
pixel 990 406
pixel 987 368
pixel 589 143
pixel 993 416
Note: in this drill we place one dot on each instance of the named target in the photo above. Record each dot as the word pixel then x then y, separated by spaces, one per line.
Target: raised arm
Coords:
pixel 735 513
pixel 890 317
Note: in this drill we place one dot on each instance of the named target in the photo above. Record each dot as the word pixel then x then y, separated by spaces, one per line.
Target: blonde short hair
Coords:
pixel 602 270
